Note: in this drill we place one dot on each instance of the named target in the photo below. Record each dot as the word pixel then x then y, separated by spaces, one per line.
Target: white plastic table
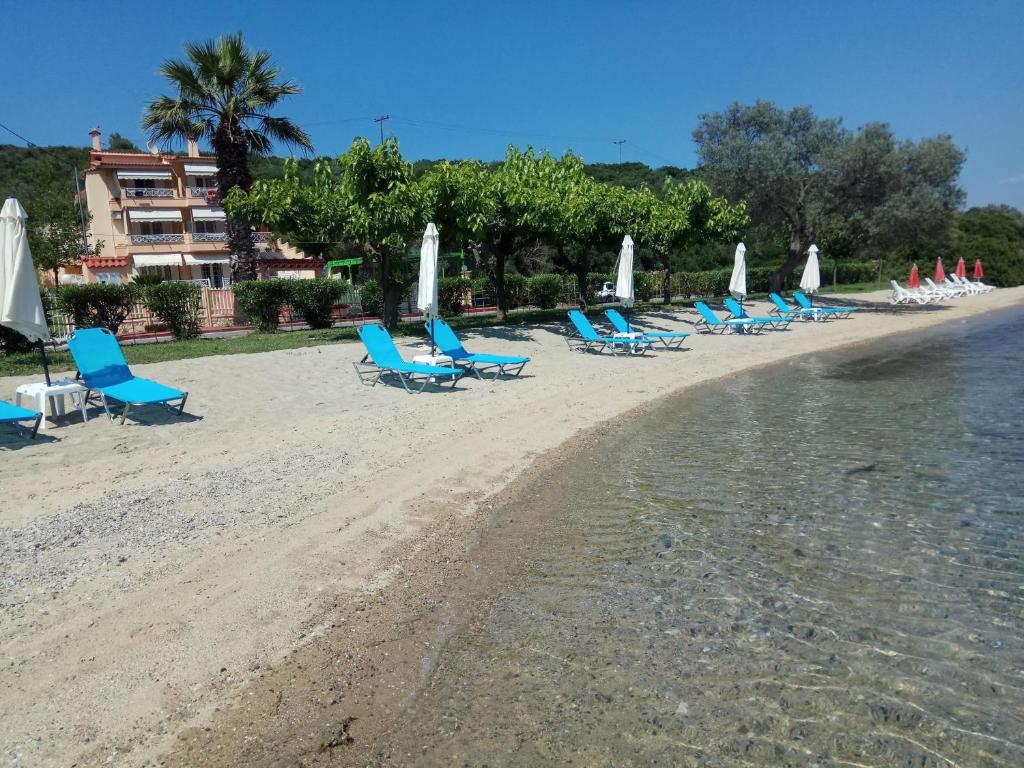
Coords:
pixel 441 361
pixel 633 348
pixel 55 392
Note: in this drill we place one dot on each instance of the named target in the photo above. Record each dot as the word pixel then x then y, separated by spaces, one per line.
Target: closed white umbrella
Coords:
pixel 811 279
pixel 624 280
pixel 738 281
pixel 426 295
pixel 20 305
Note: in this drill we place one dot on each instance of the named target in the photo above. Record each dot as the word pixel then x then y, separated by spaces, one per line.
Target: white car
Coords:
pixel 607 292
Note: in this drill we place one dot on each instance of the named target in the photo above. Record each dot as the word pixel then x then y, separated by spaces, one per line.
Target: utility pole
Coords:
pixel 620 142
pixel 380 120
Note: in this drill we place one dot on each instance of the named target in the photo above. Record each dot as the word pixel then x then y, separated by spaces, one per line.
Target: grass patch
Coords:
pixel 27 363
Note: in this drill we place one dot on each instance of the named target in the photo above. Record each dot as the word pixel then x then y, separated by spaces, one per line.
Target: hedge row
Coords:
pixel 262 300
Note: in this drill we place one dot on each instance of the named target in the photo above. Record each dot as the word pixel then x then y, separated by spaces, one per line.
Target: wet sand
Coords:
pixel 236 588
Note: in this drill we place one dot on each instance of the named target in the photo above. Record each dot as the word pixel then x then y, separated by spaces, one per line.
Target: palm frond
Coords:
pixel 221 82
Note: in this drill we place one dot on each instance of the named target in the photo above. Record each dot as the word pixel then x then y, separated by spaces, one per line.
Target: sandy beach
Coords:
pixel 170 586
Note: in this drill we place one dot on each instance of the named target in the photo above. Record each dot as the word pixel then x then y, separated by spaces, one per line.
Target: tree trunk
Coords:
pixel 796 253
pixel 233 171
pixel 500 298
pixel 581 285
pixel 391 290
pixel 666 283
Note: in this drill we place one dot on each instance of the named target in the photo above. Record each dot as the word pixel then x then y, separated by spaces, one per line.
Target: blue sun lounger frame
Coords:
pixel 14 414
pixel 589 340
pixel 711 323
pixel 383 359
pixel 805 303
pixel 102 367
pixel 736 310
pixel 669 339
pixel 782 309
pixel 449 344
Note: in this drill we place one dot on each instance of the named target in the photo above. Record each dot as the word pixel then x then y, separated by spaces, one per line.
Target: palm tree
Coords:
pixel 225 94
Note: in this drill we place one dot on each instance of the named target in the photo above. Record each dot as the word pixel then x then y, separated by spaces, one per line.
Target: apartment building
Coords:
pixel 158 214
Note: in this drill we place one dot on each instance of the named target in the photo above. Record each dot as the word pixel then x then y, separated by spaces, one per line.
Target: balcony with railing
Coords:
pixel 209 237
pixel 134 192
pixel 163 237
pixel 203 192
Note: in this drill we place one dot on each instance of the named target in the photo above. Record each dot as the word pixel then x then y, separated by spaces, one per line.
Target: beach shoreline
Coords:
pixel 245 569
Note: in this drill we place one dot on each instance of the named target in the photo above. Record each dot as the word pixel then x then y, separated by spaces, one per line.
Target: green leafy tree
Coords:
pixel 994 234
pixel 388 212
pixel 55 232
pixel 686 215
pixel 118 143
pixel 809 177
pixel 372 200
pixel 226 93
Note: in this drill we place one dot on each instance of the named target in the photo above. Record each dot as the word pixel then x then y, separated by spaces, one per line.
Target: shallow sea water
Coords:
pixel 816 564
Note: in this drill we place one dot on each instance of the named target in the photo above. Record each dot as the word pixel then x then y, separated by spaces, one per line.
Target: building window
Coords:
pixel 214 274
pixel 164 272
pixel 111 278
pixel 211 227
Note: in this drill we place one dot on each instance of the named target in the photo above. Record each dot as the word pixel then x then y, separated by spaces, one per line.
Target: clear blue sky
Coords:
pixel 466 79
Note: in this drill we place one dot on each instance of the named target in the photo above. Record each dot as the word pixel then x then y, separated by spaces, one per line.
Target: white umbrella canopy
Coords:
pixel 20 305
pixel 624 281
pixel 811 279
pixel 738 281
pixel 426 295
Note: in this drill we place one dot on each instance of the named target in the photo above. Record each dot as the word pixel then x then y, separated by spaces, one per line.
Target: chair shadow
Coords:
pixel 141 415
pixel 12 440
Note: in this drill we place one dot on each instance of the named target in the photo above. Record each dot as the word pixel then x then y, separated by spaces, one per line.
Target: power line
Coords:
pixel 12 131
pixel 500 131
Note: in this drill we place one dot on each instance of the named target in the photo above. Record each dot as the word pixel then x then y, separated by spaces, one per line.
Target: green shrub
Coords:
pixel 261 300
pixel 516 291
pixel 315 299
pixel 644 286
pixel 545 290
pixel 98 305
pixel 177 304
pixel 483 287
pixel 451 295
pixel 371 298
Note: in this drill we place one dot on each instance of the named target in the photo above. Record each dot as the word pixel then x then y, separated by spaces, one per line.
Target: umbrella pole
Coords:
pixel 432 345
pixel 46 367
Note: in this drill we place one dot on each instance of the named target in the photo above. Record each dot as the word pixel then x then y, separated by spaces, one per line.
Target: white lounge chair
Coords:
pixel 901 295
pixel 972 287
pixel 945 291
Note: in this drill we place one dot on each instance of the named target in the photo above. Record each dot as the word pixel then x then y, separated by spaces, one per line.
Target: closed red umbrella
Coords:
pixel 915 278
pixel 940 273
pixel 979 272
pixel 961 269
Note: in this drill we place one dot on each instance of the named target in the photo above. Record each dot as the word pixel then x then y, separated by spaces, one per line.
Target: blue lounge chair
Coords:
pixel 589 339
pixel 103 368
pixel 736 310
pixel 13 414
pixel 450 345
pixel 670 340
pixel 805 303
pixel 782 309
pixel 383 359
pixel 711 323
